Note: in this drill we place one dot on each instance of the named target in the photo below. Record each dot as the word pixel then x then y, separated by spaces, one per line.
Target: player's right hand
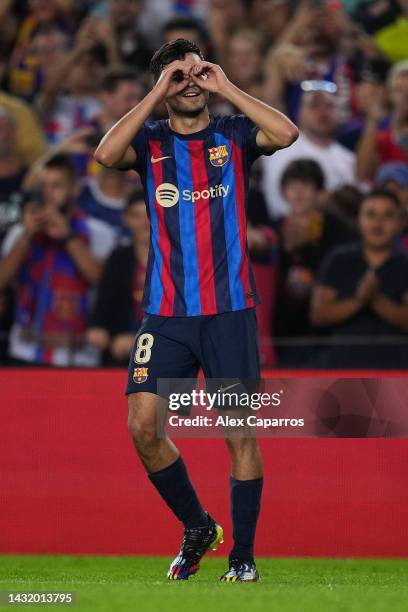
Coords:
pixel 173 79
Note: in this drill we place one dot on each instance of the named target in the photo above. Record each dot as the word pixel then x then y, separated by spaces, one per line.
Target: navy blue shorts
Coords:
pixel 225 346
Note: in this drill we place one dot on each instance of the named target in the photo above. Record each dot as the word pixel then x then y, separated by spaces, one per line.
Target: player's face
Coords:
pixel 379 223
pixel 191 100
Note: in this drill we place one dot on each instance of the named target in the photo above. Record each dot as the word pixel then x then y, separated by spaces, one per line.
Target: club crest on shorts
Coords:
pixel 140 375
pixel 218 155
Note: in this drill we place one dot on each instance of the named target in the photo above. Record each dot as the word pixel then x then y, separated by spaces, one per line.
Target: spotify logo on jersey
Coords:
pixel 167 195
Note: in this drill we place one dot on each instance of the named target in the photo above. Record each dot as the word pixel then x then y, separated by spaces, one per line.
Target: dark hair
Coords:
pixel 134 196
pixel 383 193
pixel 345 203
pixel 174 50
pixel 305 170
pixel 112 77
pixel 62 162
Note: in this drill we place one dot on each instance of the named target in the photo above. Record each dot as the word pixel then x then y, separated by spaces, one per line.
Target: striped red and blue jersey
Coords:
pixel 196 189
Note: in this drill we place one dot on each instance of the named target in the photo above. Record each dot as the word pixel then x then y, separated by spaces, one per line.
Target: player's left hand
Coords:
pixel 209 76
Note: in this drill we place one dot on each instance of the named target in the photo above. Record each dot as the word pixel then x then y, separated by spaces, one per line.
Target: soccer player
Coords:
pixel 199 296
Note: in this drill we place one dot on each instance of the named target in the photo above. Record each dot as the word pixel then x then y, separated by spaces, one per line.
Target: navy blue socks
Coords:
pixel 245 506
pixel 174 486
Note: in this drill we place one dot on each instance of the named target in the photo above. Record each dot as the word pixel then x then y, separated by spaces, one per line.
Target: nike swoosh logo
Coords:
pixel 154 160
pixel 221 389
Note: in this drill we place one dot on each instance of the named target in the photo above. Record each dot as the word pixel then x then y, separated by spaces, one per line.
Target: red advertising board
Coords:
pixel 70 481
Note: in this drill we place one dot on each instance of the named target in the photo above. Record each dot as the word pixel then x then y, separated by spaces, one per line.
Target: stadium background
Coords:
pixel 70 482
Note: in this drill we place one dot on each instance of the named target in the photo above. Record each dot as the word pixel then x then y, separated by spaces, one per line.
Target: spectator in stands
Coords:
pixel 117 312
pixel 188 28
pixel 25 76
pixel 392 36
pixel 82 64
pixel 263 245
pixel 8 33
pixel 69 97
pixel 53 257
pixel 318 122
pixel 49 48
pixel 374 15
pixel 345 204
pixel 371 84
pixel 120 32
pixel 226 16
pixel 121 89
pixel 104 196
pixel 12 173
pixel 245 59
pixel 156 13
pixel 30 140
pixel 307 233
pixel 319 43
pixel 362 292
pixel 271 16
pixel 393 176
pixel 378 146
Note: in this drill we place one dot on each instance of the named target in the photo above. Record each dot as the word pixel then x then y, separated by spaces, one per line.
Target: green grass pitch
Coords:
pixel 138 583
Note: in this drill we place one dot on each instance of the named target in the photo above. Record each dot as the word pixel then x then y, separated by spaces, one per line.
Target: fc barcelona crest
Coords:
pixel 140 375
pixel 218 155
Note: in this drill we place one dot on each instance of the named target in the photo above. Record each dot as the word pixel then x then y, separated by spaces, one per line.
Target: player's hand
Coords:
pixel 172 80
pixel 209 77
pixel 32 219
pixel 367 288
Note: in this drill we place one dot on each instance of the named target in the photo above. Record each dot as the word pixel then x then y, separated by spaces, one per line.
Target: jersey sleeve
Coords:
pixel 246 133
pixel 140 146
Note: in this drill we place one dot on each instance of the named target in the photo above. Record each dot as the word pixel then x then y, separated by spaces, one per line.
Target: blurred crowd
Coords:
pixel 328 217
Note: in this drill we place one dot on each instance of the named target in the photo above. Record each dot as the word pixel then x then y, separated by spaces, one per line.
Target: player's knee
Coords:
pixel 143 431
pixel 241 446
pixel 142 428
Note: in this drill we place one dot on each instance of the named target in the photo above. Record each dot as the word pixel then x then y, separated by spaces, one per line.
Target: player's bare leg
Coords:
pixel 167 472
pixel 146 413
pixel 246 459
